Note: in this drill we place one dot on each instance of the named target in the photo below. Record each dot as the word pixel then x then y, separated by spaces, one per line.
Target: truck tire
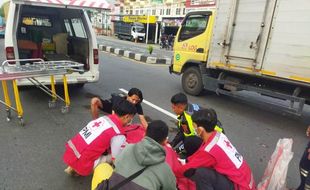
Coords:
pixel 192 81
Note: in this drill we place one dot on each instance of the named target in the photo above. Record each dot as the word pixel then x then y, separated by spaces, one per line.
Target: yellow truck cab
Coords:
pixel 256 46
pixel 191 49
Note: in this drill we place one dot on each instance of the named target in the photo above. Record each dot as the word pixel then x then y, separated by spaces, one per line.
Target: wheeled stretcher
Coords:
pixel 9 71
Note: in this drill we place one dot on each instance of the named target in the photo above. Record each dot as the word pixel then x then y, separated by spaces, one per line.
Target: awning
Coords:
pixel 93 4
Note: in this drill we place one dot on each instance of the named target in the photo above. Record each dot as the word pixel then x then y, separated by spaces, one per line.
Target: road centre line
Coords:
pixel 154 106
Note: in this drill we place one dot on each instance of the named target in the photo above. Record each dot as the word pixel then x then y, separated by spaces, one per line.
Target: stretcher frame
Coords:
pixel 10 71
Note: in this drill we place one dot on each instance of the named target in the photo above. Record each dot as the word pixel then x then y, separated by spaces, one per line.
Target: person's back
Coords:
pixel 151 154
pixel 84 151
pixel 216 163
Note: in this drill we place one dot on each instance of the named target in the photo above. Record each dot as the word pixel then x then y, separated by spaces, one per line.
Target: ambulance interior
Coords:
pixel 53 34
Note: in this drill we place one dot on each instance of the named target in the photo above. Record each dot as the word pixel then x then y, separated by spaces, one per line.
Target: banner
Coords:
pixel 141 19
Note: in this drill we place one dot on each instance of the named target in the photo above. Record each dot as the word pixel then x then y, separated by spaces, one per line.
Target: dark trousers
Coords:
pixel 304 168
pixel 209 179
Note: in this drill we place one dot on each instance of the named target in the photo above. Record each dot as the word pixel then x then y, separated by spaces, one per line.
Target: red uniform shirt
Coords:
pixel 218 153
pixel 183 183
pixel 91 142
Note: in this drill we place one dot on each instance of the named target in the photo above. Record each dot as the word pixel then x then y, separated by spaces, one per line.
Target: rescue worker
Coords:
pixel 304 167
pixel 134 96
pixel 85 150
pixel 216 164
pixel 184 111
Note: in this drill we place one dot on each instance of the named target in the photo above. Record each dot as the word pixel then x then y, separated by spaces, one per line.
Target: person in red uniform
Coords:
pixel 85 150
pixel 216 164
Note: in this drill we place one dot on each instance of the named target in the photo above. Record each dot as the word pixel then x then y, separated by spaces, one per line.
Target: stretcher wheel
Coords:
pixel 21 121
pixel 8 115
pixel 65 109
pixel 51 104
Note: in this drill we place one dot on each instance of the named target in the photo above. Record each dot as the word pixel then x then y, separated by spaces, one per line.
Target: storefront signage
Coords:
pixel 141 19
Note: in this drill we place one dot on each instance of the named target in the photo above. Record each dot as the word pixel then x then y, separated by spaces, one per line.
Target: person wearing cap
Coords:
pixel 134 96
pixel 216 164
pixel 184 111
pixel 87 148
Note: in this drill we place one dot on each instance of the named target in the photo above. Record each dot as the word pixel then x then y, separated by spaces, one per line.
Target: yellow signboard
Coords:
pixel 141 19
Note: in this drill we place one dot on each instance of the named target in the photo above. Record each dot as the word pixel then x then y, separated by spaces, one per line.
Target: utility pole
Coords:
pixel 106 23
pixel 102 23
pixel 147 27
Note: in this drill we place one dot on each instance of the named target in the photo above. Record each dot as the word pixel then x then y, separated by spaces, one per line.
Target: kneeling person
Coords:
pixel 149 154
pixel 217 164
pixel 84 150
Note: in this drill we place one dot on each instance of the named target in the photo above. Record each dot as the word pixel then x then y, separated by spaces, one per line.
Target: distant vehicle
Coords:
pixel 2 27
pixel 129 31
pixel 41 29
pixel 236 49
pixel 166 42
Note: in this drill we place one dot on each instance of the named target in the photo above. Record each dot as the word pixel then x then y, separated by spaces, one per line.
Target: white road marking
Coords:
pixel 154 106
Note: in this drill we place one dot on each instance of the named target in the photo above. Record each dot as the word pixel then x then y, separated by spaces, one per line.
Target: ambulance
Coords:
pixel 53 30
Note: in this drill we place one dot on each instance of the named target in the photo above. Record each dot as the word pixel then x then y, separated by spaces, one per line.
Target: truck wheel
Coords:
pixel 192 81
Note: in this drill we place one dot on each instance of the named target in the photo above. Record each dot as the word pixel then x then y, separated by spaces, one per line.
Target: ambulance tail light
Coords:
pixel 96 56
pixel 10 53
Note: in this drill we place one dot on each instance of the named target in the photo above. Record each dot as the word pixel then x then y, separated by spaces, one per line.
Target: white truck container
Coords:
pixel 261 46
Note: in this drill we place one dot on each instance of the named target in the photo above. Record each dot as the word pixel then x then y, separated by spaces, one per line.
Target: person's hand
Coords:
pixel 309 154
pixel 308 131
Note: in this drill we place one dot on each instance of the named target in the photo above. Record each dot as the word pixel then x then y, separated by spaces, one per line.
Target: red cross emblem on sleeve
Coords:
pixel 96 124
pixel 228 144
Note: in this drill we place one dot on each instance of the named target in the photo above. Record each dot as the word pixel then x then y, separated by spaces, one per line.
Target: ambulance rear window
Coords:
pixel 36 21
pixel 78 28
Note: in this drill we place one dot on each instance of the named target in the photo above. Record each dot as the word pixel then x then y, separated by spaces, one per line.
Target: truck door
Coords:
pixel 192 40
pixel 246 31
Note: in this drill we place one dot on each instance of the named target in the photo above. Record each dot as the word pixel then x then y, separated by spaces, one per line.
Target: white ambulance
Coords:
pixel 53 30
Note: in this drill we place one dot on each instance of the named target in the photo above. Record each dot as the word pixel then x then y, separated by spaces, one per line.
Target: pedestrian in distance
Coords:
pixel 87 148
pixel 216 164
pixel 149 156
pixel 304 166
pixel 134 96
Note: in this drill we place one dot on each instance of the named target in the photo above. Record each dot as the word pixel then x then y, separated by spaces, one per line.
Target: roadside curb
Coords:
pixel 135 56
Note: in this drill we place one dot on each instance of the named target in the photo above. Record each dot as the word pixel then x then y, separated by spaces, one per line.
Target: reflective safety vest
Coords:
pixel 90 143
pixel 187 116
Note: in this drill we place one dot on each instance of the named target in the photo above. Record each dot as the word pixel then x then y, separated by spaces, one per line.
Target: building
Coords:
pixel 169 13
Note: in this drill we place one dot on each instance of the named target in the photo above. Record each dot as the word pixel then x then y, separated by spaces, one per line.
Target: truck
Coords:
pixel 247 49
pixel 129 31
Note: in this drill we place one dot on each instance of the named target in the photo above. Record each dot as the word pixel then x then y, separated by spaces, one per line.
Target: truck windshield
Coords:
pixel 194 25
pixel 140 29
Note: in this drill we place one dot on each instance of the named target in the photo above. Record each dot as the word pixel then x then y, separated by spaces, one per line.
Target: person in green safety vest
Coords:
pixel 184 111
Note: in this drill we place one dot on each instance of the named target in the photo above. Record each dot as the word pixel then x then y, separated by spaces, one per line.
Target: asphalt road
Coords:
pixel 134 47
pixel 31 156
